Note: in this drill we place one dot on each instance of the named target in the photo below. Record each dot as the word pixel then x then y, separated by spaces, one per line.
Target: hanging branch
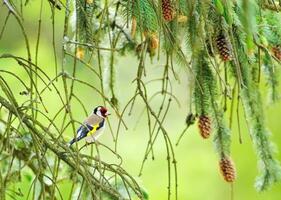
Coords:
pixel 59 148
pixel 218 44
pixel 269 167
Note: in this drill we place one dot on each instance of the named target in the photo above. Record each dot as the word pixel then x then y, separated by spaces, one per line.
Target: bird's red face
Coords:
pixel 104 112
pixel 101 111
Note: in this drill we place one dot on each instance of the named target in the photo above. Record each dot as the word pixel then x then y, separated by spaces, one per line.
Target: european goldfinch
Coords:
pixel 92 127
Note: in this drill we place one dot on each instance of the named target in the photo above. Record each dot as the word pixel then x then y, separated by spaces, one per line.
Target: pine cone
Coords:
pixel 224 47
pixel 227 169
pixel 153 43
pixel 167 10
pixel 89 1
pixel 134 27
pixel 204 125
pixel 80 52
pixel 277 52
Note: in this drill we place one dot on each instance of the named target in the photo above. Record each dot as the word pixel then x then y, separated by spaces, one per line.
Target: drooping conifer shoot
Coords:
pixel 228 53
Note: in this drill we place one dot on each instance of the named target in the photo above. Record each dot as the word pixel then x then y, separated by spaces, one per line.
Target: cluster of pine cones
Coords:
pixel 226 165
pixel 223 48
pixel 168 13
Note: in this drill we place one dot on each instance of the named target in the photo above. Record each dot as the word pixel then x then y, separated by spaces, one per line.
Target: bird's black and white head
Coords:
pixel 101 112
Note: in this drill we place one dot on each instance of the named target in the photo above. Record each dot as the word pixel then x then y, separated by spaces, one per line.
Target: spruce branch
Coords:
pixel 269 167
pixel 226 43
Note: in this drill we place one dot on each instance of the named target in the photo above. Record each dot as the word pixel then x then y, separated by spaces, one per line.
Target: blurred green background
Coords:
pixel 198 172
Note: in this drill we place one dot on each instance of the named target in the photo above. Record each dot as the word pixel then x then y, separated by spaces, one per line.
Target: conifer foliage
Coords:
pixel 228 49
pixel 230 32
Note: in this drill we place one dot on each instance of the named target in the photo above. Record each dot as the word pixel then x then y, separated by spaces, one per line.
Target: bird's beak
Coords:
pixel 107 113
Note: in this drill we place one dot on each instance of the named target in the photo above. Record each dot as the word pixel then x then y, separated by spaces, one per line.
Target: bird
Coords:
pixel 92 127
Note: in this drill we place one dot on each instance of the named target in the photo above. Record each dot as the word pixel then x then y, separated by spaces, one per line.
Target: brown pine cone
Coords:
pixel 134 27
pixel 154 42
pixel 204 125
pixel 277 52
pixel 227 169
pixel 167 10
pixel 224 47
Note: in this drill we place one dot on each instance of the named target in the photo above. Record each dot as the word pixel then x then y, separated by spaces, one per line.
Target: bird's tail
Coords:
pixel 71 142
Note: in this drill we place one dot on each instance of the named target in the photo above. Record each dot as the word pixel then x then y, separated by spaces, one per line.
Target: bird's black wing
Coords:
pixel 82 132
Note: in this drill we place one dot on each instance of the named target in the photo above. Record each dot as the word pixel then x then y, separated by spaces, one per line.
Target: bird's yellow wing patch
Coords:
pixel 95 127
